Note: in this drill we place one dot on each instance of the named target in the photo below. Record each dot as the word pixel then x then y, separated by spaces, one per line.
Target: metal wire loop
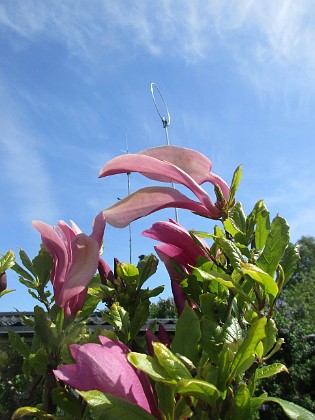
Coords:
pixel 165 121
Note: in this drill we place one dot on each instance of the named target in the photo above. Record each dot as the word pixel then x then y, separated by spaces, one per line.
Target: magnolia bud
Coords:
pixel 3 281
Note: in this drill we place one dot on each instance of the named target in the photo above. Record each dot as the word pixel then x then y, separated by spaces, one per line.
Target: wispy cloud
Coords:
pixel 23 174
pixel 271 42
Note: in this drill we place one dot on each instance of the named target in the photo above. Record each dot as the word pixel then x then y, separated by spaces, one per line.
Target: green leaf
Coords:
pixel 255 334
pixel 270 370
pixel 23 273
pixel 231 251
pixel 166 398
pixel 67 402
pixel 183 343
pixel 199 389
pixel 39 361
pixel 42 265
pixel 30 411
pixel 172 364
pixel 237 176
pixel 276 243
pixel 26 261
pixel 290 261
pixel 238 216
pixel 231 228
pixel 28 283
pixel 127 272
pixel 263 278
pixel 293 411
pixel 18 344
pixel 150 366
pixel 262 229
pixel 7 261
pixel 271 336
pixel 118 317
pixel 45 329
pixel 241 409
pixel 140 316
pixel 147 267
pixel 110 407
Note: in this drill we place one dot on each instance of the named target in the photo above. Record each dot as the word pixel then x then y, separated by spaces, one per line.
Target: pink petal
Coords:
pixel 85 253
pixel 155 169
pixel 56 247
pixel 195 164
pixel 175 234
pixel 106 369
pixel 98 228
pixel 148 200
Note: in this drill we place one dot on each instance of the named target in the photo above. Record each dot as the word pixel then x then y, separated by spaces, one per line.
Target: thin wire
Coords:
pixel 166 122
pixel 129 226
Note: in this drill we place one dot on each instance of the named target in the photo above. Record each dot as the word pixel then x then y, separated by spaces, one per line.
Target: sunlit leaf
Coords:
pixel 110 407
pixel 183 343
pixel 270 370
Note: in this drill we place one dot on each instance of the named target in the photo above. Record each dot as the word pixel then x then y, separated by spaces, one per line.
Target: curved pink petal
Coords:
pixel 104 368
pixel 150 199
pixel 85 255
pixel 195 164
pixel 57 248
pixel 173 233
pixel 156 169
pixel 168 253
pixel 99 224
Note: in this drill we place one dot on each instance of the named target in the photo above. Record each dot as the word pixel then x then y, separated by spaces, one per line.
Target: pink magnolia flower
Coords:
pixel 104 367
pixel 179 248
pixel 165 164
pixel 76 258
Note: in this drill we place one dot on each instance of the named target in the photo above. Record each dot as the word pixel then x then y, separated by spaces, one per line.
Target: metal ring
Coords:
pixel 166 121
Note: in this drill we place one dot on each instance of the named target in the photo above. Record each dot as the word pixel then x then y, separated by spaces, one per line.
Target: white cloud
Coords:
pixel 23 170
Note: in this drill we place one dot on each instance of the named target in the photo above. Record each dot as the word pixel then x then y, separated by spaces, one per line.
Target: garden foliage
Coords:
pixel 226 282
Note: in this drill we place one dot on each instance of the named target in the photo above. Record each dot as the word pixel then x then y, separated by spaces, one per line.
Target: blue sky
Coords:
pixel 239 81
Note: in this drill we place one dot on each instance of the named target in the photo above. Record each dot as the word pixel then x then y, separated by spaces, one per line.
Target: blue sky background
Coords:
pixel 239 81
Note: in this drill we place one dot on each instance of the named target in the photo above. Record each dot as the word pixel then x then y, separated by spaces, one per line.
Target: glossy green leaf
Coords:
pixel 18 344
pixel 33 412
pixel 26 261
pixel 7 261
pixel 39 361
pixel 171 363
pixel 293 411
pixel 67 402
pixel 23 273
pixel 231 251
pixel 118 317
pixel 270 370
pixel 110 407
pixel 255 334
pixel 276 244
pixel 271 336
pixel 151 367
pixel 290 261
pixel 128 272
pixel 262 229
pixel 263 278
pixel 42 266
pixel 45 330
pixel 199 389
pixel 237 176
pixel 242 408
pixel 147 267
pixel 166 398
pixel 238 216
pixel 234 231
pixel 183 343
